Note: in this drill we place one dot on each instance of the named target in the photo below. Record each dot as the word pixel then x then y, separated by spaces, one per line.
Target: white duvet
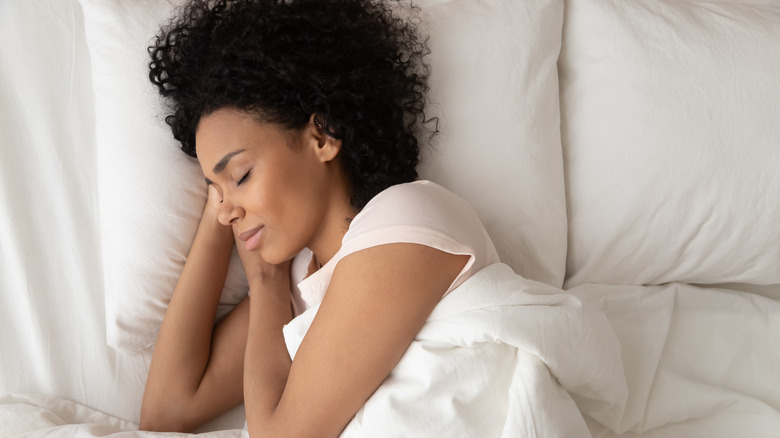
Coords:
pixel 499 357
pixel 505 356
pixel 496 359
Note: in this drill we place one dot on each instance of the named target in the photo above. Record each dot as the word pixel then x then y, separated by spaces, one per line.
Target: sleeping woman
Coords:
pixel 303 115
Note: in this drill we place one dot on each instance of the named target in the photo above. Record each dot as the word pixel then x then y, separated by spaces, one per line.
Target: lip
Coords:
pixel 251 238
pixel 247 234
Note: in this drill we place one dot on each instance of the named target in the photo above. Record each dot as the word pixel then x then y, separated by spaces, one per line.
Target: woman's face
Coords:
pixel 278 187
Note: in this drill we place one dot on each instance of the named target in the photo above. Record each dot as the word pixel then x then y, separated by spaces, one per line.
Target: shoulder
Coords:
pixel 419 191
pixel 420 203
pixel 419 212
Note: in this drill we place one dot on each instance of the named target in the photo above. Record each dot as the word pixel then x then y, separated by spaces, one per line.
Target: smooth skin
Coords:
pixel 290 185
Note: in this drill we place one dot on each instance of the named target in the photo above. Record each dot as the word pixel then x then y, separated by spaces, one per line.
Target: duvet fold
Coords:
pixel 500 356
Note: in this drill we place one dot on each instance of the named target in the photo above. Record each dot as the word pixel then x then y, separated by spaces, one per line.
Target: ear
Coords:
pixel 326 147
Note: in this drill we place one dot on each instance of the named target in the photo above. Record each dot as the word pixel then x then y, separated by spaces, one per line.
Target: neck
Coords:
pixel 328 241
pixel 334 225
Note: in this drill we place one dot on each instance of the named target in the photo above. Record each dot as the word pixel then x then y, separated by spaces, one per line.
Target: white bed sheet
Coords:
pixel 700 362
pixel 52 318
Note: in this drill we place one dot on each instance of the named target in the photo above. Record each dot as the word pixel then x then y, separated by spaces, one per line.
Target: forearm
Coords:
pixel 184 342
pixel 266 361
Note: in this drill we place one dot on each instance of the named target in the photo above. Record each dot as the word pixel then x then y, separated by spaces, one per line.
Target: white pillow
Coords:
pixel 494 86
pixel 671 141
pixel 151 194
pixel 499 148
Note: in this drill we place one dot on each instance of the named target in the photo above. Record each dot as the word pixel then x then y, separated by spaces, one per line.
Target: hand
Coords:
pixel 213 203
pixel 209 227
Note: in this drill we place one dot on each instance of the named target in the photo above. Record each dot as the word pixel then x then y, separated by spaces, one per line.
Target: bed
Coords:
pixel 623 155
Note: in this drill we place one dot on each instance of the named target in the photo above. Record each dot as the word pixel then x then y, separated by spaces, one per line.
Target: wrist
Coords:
pixel 269 293
pixel 265 277
pixel 214 232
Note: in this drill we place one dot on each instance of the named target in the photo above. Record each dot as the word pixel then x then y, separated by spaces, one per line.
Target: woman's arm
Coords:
pixel 378 300
pixel 196 370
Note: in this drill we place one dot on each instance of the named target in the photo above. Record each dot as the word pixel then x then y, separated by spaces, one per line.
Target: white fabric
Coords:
pixel 495 358
pixel 672 141
pixel 151 194
pixel 699 362
pixel 420 212
pixel 42 416
pixel 715 352
pixel 494 85
pixel 52 313
pixel 52 326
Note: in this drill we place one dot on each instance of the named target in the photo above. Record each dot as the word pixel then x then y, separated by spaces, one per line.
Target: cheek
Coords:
pixel 298 218
pixel 267 198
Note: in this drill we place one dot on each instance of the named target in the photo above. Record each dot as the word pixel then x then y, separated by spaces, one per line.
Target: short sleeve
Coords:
pixel 420 212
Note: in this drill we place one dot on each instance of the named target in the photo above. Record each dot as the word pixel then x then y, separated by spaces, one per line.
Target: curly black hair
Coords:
pixel 353 63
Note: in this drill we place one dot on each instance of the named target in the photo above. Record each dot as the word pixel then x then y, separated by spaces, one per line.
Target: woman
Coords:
pixel 303 117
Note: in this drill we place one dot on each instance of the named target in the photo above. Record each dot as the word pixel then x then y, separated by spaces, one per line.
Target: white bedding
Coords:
pixel 697 361
pixel 532 361
pixel 514 347
pixel 52 317
pixel 31 415
pixel 53 341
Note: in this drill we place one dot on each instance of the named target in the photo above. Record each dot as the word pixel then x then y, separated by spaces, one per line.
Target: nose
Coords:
pixel 229 212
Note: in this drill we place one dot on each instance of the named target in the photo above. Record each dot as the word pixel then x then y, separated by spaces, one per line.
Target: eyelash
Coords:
pixel 243 178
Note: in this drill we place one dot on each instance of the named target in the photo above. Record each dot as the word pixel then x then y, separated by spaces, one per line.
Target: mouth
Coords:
pixel 251 237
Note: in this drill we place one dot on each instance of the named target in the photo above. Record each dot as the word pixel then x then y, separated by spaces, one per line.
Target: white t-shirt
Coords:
pixel 420 212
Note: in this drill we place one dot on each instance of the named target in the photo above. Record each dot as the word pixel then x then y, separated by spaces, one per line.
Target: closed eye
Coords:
pixel 243 178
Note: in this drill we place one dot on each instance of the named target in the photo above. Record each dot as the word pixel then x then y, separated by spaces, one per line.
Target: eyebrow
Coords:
pixel 222 164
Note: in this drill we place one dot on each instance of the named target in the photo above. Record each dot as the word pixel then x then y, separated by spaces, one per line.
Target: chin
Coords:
pixel 276 257
pixel 271 256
